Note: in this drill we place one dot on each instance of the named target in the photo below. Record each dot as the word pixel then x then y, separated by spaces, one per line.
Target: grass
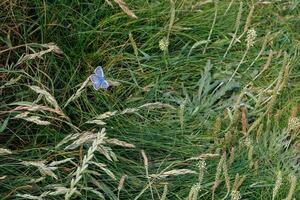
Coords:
pixel 220 123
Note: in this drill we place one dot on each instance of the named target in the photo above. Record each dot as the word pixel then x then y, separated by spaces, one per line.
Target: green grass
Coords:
pixel 206 117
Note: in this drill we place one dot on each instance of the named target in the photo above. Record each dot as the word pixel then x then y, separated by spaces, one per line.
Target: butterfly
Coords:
pixel 98 79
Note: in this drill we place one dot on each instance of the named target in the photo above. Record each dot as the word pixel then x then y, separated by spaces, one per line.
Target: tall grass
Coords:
pixel 198 107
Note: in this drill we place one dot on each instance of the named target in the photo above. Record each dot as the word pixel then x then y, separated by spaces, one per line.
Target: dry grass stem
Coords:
pixel 125 8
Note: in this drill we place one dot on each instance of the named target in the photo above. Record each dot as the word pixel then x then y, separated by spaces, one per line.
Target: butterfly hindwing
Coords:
pixel 104 84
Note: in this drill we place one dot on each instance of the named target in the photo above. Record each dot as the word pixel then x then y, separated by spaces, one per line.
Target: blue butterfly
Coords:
pixel 98 79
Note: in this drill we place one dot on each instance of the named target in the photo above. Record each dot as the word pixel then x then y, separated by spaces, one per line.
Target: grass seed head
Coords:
pixel 163 44
pixel 235 195
pixel 293 180
pixel 251 36
pixel 277 184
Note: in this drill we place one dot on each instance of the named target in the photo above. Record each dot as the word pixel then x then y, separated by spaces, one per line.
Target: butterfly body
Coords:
pixel 98 79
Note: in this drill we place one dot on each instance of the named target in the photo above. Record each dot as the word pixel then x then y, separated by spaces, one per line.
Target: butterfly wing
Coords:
pixel 104 84
pixel 96 80
pixel 99 71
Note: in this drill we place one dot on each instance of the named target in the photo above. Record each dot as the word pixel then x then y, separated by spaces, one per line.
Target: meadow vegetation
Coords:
pixel 203 103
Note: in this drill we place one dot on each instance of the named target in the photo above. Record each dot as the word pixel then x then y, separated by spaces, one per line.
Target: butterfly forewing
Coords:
pixel 96 80
pixel 99 71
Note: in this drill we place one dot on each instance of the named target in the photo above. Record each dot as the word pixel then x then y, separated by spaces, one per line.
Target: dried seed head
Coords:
pixel 218 174
pixel 164 195
pixel 21 115
pixel 193 195
pixel 121 183
pixel 96 121
pixel 217 127
pixel 59 190
pixel 78 92
pixel 244 121
pixel 47 96
pixel 156 105
pixel 37 120
pixel 226 175
pixel 232 153
pixel 174 172
pixel 85 163
pixel 130 110
pixel 125 8
pixel 205 156
pixel 145 158
pixel 37 180
pixel 85 137
pixel 28 196
pixel 53 47
pixel 54 163
pixel 43 168
pixel 119 142
pixel 106 115
pixel 202 167
pixel 99 119
pixel 5 151
pixel 295 111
